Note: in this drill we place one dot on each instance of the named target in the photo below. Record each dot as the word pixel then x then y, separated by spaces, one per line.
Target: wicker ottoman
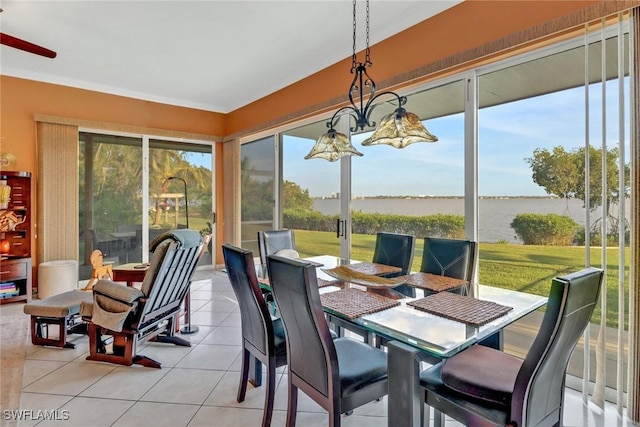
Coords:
pixel 62 310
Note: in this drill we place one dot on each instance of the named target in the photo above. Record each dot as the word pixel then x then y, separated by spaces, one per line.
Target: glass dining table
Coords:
pixel 413 335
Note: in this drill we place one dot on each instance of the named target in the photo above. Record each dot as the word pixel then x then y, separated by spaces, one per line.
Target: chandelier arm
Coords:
pixel 398 129
pixel 370 106
pixel 354 113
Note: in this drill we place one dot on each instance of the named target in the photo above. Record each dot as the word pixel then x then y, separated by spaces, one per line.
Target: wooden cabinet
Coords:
pixel 15 222
pixel 16 273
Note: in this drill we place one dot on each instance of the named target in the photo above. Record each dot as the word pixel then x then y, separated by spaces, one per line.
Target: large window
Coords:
pixel 112 199
pixel 537 217
pixel 419 186
pixel 257 189
pixel 532 156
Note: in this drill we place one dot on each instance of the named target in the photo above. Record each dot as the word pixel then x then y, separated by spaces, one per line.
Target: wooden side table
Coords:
pixel 130 273
pixel 134 273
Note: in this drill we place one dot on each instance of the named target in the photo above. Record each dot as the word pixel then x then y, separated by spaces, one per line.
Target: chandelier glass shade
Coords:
pixel 400 129
pixel 331 146
pixel 397 129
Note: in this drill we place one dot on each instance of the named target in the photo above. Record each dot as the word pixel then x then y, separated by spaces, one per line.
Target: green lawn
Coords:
pixel 525 268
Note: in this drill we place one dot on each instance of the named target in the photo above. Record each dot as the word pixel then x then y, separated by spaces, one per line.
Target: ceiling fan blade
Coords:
pixel 17 43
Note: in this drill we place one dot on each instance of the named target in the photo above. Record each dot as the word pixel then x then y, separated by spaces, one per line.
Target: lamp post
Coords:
pixel 187 328
pixel 186 197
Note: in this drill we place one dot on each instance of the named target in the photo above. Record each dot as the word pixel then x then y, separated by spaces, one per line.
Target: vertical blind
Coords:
pixel 603 116
pixel 57 191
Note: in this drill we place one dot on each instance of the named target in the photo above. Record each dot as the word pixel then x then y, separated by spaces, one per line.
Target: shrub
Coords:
pixel 449 226
pixel 549 229
pixel 596 237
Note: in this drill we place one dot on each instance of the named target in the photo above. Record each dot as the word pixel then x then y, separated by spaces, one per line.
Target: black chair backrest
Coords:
pixel 272 241
pixel 449 257
pixel 539 386
pixel 175 256
pixel 254 313
pixel 311 352
pixel 395 250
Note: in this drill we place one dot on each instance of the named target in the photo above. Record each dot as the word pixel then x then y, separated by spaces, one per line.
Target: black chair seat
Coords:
pixel 360 365
pixel 482 373
pixel 431 381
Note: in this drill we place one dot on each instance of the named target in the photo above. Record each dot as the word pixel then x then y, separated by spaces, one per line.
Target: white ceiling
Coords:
pixel 213 55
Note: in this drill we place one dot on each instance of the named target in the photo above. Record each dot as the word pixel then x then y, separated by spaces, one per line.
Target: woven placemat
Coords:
pixel 461 308
pixel 353 303
pixel 432 282
pixel 322 283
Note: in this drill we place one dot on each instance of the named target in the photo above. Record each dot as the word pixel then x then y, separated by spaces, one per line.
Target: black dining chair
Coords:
pixel 482 386
pixel 272 241
pixel 262 337
pixel 341 374
pixel 450 257
pixel 396 250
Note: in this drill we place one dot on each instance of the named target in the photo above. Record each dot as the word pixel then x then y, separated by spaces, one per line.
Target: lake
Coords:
pixel 495 214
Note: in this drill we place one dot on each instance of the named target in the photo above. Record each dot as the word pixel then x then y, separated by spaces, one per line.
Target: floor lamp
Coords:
pixel 187 328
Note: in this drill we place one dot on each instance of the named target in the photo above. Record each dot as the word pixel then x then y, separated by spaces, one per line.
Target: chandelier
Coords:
pixel 397 129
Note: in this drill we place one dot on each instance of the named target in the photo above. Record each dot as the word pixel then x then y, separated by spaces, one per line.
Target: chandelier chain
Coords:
pixel 367 52
pixel 354 58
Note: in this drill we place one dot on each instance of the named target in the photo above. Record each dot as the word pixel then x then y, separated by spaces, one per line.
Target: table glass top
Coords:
pixel 434 334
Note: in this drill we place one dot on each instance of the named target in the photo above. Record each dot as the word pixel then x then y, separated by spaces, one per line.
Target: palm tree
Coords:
pixel 164 164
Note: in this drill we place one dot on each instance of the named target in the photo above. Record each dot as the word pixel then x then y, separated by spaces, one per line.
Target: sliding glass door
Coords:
pixel 118 216
pixel 554 182
pixel 180 189
pixel 417 190
pixel 311 196
pixel 110 178
pixel 258 191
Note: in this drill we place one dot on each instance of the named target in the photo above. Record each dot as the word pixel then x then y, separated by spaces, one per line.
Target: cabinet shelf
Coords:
pixel 16 267
pixel 18 272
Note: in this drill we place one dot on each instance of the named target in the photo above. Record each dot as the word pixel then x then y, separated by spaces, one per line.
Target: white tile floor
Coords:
pixel 196 386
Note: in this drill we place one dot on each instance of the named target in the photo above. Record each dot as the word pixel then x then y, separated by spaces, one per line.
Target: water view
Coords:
pixel 495 214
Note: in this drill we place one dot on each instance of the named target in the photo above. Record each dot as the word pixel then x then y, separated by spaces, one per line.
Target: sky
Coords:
pixel 508 134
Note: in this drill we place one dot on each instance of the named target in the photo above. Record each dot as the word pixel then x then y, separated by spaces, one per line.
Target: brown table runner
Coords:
pixel 372 268
pixel 347 274
pixel 353 303
pixel 432 282
pixel 321 282
pixel 461 308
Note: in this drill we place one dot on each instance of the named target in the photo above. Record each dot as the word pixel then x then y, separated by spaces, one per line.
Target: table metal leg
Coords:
pixel 405 400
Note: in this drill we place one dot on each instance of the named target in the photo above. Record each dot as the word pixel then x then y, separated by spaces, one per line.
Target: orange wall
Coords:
pixel 21 99
pixel 465 26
